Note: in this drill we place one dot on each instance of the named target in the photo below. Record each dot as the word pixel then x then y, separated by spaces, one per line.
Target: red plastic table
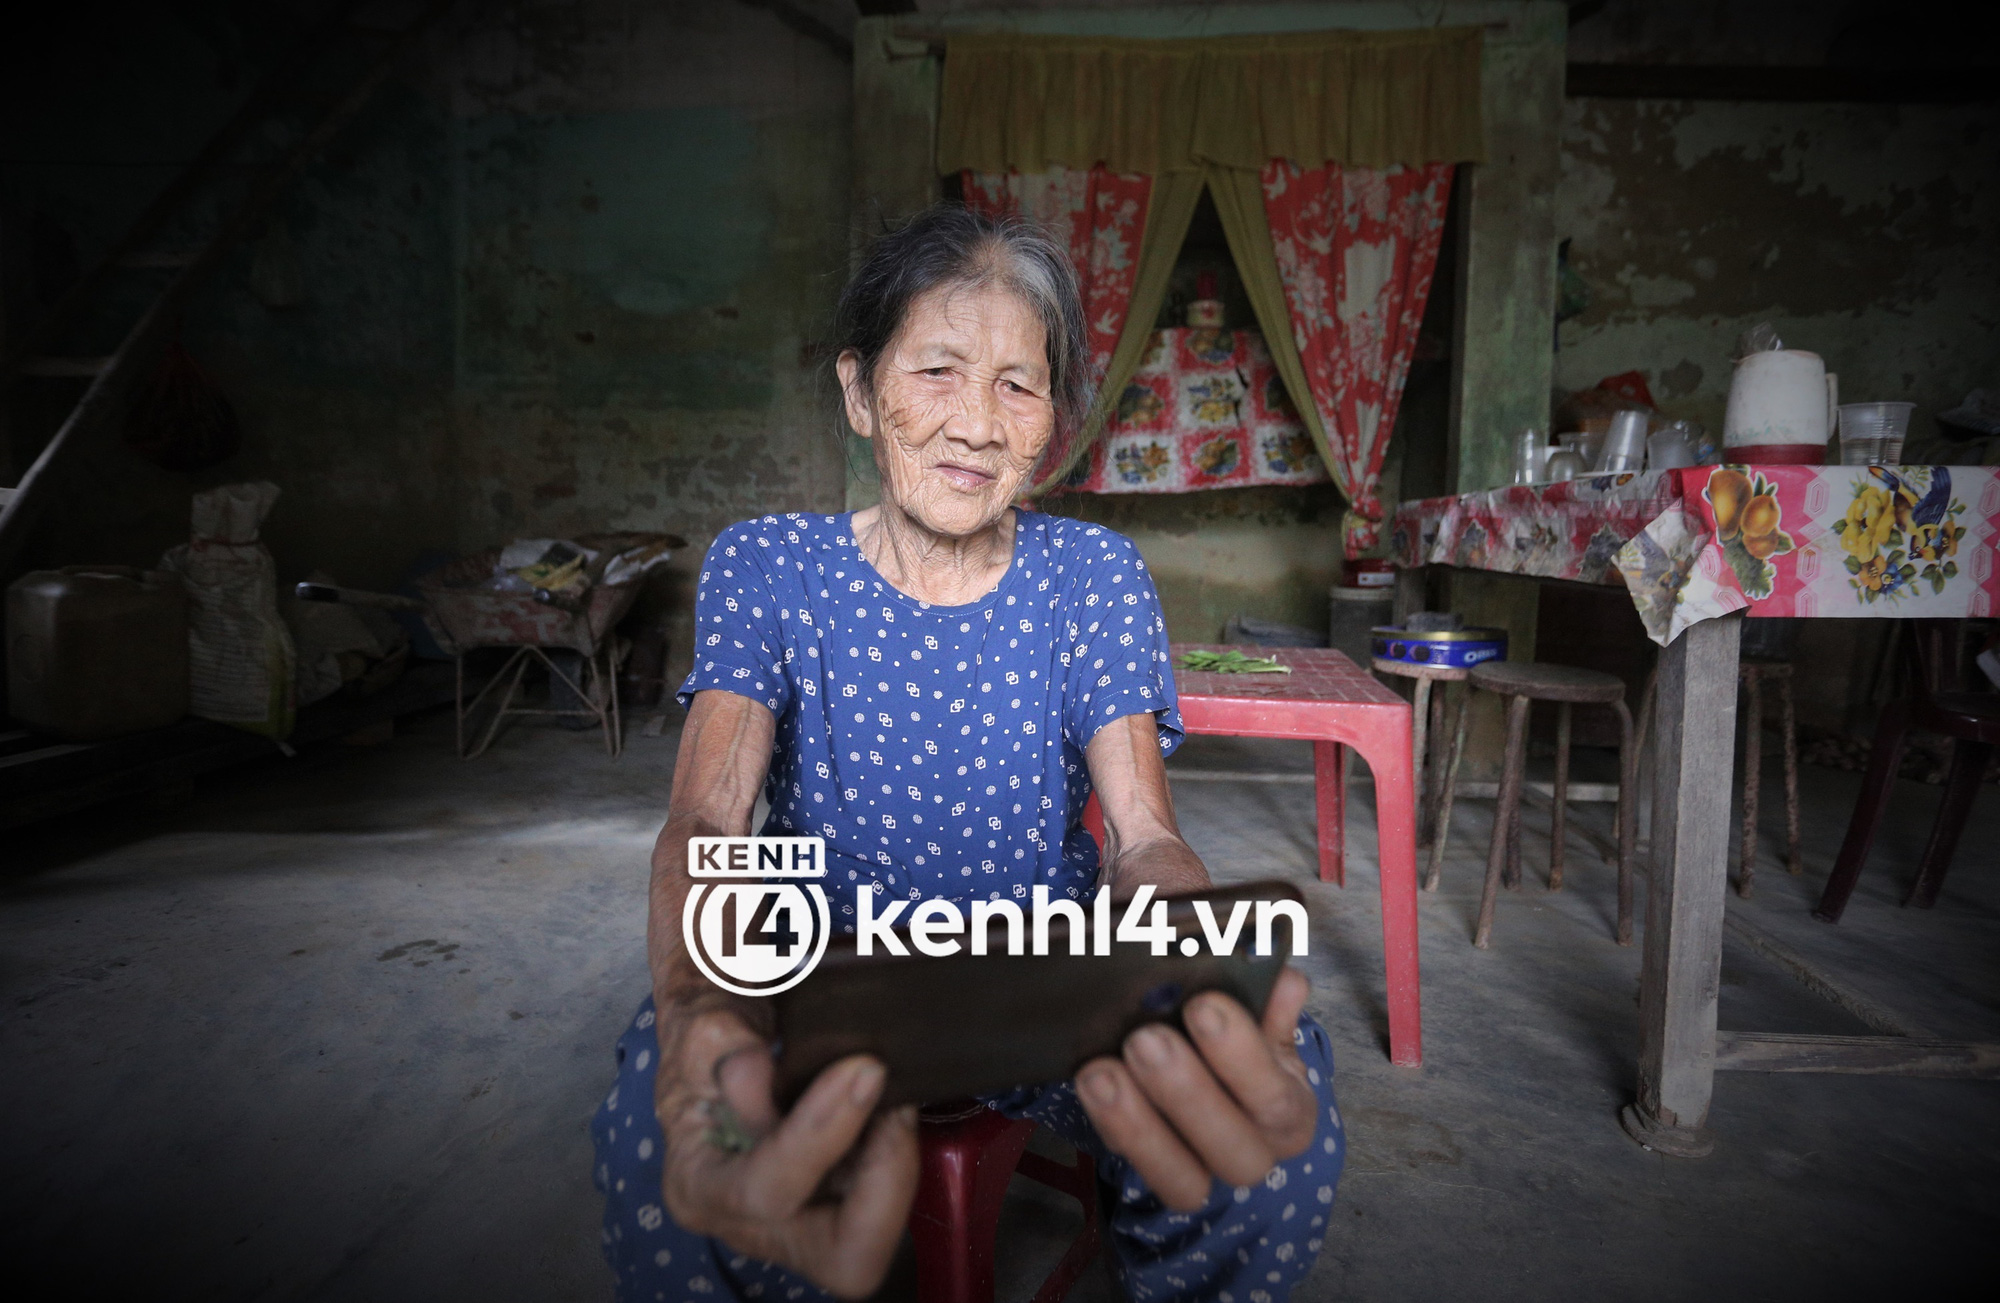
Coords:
pixel 1333 703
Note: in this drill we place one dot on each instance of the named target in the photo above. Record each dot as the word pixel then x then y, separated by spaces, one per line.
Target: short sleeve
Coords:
pixel 737 642
pixel 1116 643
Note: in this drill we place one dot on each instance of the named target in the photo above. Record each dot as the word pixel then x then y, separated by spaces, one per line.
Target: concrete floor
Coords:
pixel 332 1030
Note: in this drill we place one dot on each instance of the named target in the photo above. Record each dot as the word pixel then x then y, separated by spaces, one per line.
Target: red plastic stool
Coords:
pixel 967 1154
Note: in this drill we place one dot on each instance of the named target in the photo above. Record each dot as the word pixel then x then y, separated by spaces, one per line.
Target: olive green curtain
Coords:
pixel 1168 212
pixel 1363 99
pixel 1239 199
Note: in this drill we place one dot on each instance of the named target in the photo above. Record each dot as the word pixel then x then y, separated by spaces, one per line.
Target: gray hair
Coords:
pixel 950 245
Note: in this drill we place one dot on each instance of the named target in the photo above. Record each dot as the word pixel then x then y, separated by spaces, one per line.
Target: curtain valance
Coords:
pixel 1363 99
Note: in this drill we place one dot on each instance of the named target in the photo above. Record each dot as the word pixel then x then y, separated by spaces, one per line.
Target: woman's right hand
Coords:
pixel 739 1172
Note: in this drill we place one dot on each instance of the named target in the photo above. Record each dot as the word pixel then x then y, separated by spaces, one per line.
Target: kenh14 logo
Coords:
pixel 755 921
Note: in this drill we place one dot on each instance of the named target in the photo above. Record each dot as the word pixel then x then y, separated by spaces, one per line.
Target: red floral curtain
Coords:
pixel 1100 217
pixel 1356 248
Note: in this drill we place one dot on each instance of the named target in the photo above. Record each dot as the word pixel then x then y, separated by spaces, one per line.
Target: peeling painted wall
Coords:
pixel 1266 552
pixel 638 290
pixel 563 275
pixel 1771 33
pixel 652 209
pixel 1869 234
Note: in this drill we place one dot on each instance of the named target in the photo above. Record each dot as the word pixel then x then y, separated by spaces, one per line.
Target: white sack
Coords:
pixel 323 631
pixel 239 652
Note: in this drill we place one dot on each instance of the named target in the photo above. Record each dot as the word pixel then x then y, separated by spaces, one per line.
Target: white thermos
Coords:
pixel 1781 405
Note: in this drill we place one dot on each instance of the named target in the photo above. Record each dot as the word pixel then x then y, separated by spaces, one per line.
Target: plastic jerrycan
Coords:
pixel 96 651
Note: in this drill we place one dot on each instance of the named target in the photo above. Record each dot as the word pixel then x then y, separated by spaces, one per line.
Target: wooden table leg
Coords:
pixel 1681 971
pixel 1628 818
pixel 1448 784
pixel 1559 799
pixel 1409 594
pixel 1330 796
pixel 1517 765
pixel 1793 865
pixel 1432 764
pixel 1753 764
pixel 1420 719
pixel 1505 848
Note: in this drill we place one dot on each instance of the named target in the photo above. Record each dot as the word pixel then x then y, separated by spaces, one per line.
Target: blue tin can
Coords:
pixel 1456 649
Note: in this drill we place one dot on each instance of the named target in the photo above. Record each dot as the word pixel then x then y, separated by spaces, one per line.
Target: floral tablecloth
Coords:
pixel 1693 544
pixel 1205 410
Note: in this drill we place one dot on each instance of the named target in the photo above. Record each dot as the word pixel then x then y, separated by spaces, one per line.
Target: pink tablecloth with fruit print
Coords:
pixel 1205 410
pixel 1819 541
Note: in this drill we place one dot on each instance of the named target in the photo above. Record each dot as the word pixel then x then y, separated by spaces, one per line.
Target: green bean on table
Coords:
pixel 1231 662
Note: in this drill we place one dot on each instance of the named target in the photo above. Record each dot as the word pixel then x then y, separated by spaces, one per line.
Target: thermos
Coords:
pixel 1781 405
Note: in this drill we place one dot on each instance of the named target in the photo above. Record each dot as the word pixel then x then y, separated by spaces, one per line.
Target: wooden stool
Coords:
pixel 1938 703
pixel 1753 674
pixel 1522 682
pixel 1426 730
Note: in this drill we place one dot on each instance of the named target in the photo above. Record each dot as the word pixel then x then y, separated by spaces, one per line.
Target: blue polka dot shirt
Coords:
pixel 937 749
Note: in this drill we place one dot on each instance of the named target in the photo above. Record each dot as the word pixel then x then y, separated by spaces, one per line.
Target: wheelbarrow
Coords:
pixel 466 615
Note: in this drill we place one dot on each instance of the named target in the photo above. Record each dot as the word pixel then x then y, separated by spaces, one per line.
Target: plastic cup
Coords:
pixel 1587 444
pixel 1701 444
pixel 1871 434
pixel 1669 450
pixel 1592 432
pixel 1565 464
pixel 1530 451
pixel 1583 445
pixel 1625 444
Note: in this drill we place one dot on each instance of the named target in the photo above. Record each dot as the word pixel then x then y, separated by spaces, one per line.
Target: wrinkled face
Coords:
pixel 961 407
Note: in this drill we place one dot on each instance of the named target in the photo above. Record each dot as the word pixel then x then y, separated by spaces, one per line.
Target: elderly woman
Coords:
pixel 935 686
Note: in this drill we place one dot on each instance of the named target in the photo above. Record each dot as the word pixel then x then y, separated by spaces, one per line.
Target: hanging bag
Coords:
pixel 179 420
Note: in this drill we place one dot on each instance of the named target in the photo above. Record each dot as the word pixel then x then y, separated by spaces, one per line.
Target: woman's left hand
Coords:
pixel 1229 1104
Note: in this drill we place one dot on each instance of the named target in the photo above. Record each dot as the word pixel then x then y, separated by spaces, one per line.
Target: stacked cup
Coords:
pixel 1625 445
pixel 1530 456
